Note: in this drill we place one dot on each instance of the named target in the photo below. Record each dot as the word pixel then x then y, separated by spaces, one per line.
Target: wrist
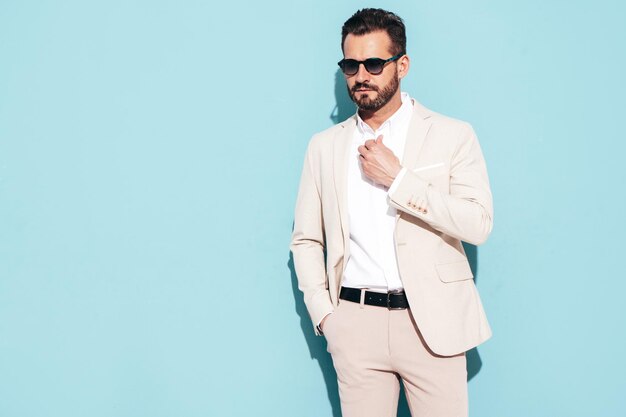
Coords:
pixel 393 175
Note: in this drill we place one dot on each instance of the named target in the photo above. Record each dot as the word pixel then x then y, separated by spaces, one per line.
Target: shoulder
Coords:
pixel 438 119
pixel 446 127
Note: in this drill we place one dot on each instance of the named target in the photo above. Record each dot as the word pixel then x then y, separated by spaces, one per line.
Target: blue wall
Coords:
pixel 150 153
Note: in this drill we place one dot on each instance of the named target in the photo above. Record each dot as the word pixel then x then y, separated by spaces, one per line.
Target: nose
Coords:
pixel 362 75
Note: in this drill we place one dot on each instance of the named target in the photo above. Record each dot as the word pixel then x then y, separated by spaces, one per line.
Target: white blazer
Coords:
pixel 443 199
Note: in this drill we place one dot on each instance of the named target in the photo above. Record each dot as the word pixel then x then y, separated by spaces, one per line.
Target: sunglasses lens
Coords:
pixel 349 66
pixel 374 65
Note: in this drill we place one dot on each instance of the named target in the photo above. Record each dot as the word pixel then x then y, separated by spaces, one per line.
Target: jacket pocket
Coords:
pixel 454 271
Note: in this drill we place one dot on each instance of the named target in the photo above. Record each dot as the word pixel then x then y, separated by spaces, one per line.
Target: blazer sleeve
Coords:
pixel 308 245
pixel 466 211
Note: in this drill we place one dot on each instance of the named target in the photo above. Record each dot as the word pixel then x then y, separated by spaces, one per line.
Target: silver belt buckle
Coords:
pixel 389 294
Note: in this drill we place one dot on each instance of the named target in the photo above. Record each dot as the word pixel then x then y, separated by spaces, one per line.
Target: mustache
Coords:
pixel 363 85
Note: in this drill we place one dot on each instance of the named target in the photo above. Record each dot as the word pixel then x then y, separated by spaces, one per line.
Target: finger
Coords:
pixel 369 143
pixel 365 168
pixel 379 140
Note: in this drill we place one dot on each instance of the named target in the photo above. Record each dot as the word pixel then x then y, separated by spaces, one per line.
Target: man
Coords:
pixel 385 199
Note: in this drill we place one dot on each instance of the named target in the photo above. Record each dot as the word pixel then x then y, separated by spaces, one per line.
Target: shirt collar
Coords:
pixel 402 114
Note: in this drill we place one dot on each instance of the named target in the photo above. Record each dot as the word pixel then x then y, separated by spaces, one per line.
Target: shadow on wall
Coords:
pixel 317 345
pixel 474 363
pixel 344 107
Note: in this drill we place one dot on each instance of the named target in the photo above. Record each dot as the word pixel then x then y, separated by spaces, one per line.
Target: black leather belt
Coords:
pixel 393 300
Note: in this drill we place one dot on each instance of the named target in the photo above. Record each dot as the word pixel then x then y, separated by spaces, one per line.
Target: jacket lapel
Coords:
pixel 418 129
pixel 341 153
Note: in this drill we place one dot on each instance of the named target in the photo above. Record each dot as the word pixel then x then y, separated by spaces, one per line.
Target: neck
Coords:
pixel 376 118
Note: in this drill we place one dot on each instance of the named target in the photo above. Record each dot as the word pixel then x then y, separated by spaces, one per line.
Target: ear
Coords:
pixel 404 64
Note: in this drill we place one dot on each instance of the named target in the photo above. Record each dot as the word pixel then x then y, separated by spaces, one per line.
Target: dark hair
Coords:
pixel 367 21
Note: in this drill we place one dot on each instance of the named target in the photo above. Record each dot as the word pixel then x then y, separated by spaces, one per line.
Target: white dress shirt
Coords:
pixel 372 263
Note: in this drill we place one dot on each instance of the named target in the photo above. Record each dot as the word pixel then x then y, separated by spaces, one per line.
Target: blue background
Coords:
pixel 150 153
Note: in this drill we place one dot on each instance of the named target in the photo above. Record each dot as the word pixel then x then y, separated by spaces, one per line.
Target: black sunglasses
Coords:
pixel 372 65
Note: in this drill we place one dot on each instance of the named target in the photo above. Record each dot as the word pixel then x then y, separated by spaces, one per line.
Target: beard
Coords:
pixel 382 97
